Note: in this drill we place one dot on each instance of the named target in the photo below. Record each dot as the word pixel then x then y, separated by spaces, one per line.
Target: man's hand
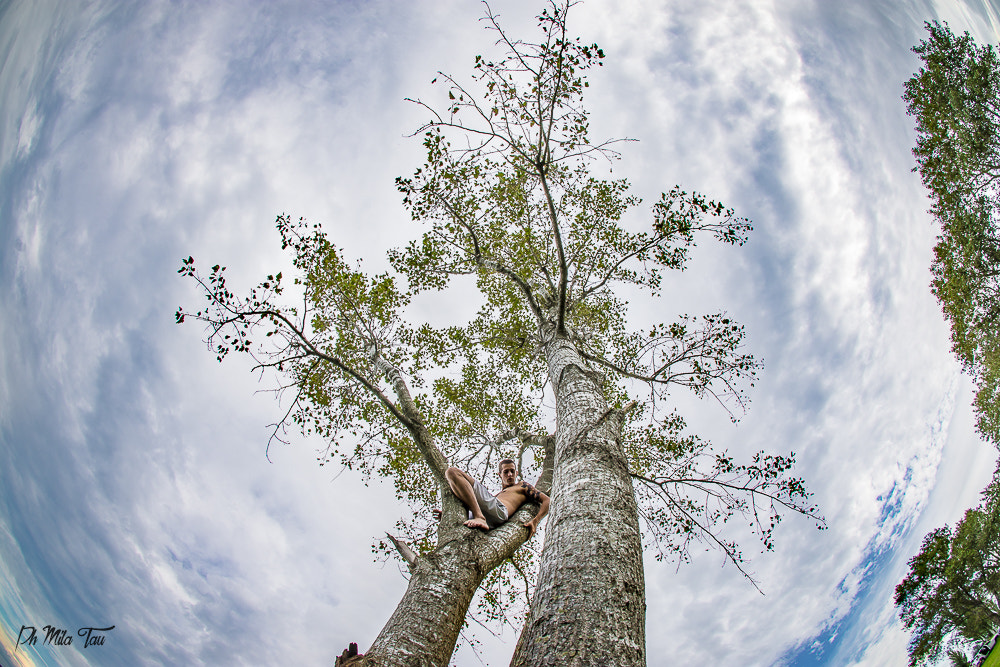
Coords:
pixel 436 513
pixel 531 526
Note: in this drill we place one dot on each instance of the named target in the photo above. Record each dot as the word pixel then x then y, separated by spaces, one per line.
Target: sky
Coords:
pixel 136 486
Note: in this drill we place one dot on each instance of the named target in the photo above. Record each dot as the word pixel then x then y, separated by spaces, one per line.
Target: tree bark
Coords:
pixel 424 628
pixel 589 605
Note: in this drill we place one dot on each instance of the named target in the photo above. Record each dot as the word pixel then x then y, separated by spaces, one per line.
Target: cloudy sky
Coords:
pixel 134 487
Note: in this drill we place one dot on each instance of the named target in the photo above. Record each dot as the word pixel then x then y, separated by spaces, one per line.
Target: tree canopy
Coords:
pixel 955 100
pixel 950 598
pixel 550 363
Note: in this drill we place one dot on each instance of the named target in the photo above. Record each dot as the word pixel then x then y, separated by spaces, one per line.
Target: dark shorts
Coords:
pixel 494 510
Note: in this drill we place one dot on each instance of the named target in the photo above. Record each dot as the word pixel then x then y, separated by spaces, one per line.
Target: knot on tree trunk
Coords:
pixel 569 370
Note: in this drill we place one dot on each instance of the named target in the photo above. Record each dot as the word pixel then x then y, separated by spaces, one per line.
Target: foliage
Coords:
pixel 955 99
pixel 951 596
pixel 519 206
pixel 687 491
pixel 959 659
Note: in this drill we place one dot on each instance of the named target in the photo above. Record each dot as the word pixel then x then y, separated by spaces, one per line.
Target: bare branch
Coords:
pixel 405 551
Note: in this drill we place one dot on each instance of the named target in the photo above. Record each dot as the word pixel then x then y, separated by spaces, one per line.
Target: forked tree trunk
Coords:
pixel 589 606
pixel 424 628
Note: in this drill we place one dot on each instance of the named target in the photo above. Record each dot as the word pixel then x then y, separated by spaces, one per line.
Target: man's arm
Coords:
pixel 533 495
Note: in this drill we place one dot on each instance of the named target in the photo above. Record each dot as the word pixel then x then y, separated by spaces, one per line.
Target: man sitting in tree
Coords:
pixel 489 511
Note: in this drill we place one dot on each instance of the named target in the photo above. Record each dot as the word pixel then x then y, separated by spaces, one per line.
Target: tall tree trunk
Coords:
pixel 589 606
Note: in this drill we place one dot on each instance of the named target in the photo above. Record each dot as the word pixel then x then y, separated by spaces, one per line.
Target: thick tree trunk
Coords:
pixel 589 606
pixel 424 628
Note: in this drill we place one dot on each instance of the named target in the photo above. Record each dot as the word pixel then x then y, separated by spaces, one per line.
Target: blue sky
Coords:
pixel 135 491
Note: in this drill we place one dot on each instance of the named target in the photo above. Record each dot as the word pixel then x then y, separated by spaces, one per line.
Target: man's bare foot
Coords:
pixel 478 523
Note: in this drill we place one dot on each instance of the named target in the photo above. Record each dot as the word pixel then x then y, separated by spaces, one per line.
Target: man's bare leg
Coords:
pixel 461 484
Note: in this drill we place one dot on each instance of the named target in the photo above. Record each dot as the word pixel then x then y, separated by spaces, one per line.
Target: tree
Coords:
pixel 508 198
pixel 950 599
pixel 955 99
pixel 338 352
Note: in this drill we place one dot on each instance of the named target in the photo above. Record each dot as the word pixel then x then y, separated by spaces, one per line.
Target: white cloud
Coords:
pixel 27 131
